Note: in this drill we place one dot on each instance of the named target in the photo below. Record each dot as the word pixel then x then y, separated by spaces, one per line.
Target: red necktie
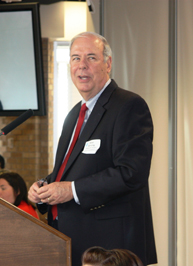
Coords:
pixel 62 167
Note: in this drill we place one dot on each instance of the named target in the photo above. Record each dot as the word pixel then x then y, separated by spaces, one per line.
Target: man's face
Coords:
pixel 89 72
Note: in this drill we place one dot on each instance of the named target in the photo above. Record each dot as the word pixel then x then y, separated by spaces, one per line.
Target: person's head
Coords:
pixel 2 162
pixel 90 63
pixel 13 188
pixel 98 256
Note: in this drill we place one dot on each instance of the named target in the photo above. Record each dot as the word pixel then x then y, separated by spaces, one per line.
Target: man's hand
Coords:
pixel 33 196
pixel 54 193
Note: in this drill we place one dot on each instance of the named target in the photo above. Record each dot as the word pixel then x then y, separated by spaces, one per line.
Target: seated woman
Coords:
pixel 98 256
pixel 14 190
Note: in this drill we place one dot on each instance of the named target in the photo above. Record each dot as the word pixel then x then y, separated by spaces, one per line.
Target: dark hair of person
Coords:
pixel 99 256
pixel 18 185
pixel 2 162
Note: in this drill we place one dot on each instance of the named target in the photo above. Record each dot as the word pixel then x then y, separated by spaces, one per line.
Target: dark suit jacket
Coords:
pixel 111 184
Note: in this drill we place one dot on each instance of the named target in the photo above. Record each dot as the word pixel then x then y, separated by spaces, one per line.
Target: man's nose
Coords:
pixel 83 64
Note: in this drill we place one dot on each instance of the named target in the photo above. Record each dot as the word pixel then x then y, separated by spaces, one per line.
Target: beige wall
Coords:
pixel 63 20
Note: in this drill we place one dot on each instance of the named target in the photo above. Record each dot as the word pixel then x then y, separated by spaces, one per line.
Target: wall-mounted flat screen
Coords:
pixel 21 64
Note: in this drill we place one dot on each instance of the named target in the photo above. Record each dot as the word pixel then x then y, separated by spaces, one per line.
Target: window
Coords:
pixel 65 93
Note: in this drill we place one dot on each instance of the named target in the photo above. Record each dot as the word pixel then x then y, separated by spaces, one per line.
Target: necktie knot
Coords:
pixel 84 108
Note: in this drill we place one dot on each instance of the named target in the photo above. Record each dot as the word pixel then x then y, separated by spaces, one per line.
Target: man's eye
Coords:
pixel 92 58
pixel 75 58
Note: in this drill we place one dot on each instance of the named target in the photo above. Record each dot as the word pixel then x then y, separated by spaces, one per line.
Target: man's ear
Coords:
pixel 109 64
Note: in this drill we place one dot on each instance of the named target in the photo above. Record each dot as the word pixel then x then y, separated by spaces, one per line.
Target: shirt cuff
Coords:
pixel 74 193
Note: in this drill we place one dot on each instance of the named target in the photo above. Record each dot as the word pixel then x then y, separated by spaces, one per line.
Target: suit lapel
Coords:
pixel 92 123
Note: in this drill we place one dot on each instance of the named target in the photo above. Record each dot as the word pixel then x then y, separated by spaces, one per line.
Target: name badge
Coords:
pixel 92 146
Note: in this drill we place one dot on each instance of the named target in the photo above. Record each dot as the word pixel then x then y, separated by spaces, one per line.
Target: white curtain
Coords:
pixel 137 31
pixel 138 34
pixel 185 133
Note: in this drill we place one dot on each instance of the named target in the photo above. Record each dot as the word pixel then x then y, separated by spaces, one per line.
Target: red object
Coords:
pixel 76 134
pixel 28 208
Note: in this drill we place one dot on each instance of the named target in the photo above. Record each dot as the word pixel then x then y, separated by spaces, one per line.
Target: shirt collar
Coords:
pixel 91 102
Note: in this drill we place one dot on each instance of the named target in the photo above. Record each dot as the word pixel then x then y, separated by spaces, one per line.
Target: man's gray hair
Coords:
pixel 107 52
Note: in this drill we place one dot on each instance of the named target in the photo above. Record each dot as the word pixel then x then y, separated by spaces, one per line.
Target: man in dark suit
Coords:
pixel 103 196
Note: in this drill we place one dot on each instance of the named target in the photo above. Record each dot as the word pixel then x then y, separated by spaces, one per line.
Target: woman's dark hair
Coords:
pixel 99 256
pixel 2 162
pixel 18 185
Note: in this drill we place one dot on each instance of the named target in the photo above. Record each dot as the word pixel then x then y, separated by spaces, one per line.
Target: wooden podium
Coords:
pixel 26 241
